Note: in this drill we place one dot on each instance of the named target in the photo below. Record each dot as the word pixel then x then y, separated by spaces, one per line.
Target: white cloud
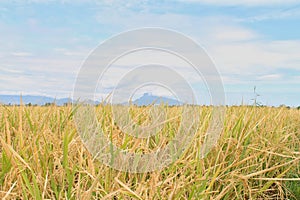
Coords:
pixel 11 70
pixel 22 54
pixel 269 77
pixel 274 14
pixel 297 79
pixel 146 3
pixel 220 32
pixel 245 2
pixel 255 57
pixel 67 52
pixel 32 22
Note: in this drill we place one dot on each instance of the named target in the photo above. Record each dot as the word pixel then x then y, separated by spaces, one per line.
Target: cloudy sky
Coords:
pixel 43 43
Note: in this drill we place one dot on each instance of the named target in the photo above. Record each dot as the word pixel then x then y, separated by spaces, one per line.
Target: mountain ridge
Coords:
pixel 40 100
pixel 32 99
pixel 148 99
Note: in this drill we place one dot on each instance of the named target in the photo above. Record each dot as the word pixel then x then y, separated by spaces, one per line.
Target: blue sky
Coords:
pixel 253 43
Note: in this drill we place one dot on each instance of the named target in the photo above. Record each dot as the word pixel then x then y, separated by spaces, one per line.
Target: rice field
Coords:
pixel 257 157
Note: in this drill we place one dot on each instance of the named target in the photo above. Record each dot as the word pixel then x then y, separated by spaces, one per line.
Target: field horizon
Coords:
pixel 37 100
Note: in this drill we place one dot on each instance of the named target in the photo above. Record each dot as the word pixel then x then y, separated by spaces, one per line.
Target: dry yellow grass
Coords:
pixel 257 157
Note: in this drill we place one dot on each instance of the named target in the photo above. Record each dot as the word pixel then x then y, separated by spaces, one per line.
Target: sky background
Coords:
pixel 253 42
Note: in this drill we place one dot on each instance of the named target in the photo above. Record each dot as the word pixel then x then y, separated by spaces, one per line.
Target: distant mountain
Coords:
pixel 38 100
pixel 148 99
